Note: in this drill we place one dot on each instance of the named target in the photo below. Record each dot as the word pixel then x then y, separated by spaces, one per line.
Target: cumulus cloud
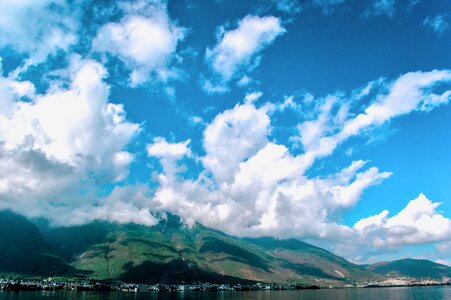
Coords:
pixel 239 50
pixel 56 144
pixel 248 185
pixel 37 28
pixel 145 40
pixel 55 147
pixel 128 204
pixel 161 148
pixel 418 222
pixel 169 153
pixel 252 186
pixel 243 129
pixel 437 24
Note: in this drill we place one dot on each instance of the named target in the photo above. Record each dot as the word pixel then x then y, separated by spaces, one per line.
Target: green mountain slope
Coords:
pixel 307 259
pixel 23 250
pixel 172 252
pixel 416 268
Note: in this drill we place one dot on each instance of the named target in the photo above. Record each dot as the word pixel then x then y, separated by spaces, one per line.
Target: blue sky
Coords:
pixel 320 120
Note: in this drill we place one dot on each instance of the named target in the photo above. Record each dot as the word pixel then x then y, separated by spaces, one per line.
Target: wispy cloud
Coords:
pixel 327 5
pixel 288 6
pixel 37 29
pixel 437 24
pixel 381 7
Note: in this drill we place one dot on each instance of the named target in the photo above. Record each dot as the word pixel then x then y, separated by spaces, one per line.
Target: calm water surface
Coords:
pixel 426 293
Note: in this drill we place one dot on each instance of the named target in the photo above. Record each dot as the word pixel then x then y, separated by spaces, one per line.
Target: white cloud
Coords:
pixel 288 103
pixel 258 187
pixel 238 50
pixel 418 222
pixel 129 204
pixel 37 28
pixel 437 24
pixel 69 139
pixel 145 40
pixel 244 81
pixel 348 195
pixel 243 130
pixel 169 153
pixel 249 185
pixel 161 148
pixel 253 186
pixel 412 91
pixel 214 88
pixel 54 145
pixel 372 221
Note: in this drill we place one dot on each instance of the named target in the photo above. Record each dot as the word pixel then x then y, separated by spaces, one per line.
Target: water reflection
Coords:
pixel 426 293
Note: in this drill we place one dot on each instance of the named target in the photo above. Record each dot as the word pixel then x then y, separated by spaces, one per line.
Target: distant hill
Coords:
pixel 23 249
pixel 416 268
pixel 171 252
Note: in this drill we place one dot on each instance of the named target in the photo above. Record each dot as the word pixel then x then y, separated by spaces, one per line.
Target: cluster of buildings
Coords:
pixel 90 285
pixel 406 281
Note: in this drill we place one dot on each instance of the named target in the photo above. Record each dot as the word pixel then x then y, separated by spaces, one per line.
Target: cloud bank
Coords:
pixel 55 144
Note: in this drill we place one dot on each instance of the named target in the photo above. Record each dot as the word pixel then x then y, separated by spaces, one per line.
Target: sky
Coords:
pixel 323 120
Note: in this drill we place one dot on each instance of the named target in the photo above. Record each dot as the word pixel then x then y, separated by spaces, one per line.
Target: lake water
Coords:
pixel 426 293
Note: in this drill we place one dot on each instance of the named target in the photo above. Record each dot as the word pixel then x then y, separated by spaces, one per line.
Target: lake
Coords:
pixel 401 293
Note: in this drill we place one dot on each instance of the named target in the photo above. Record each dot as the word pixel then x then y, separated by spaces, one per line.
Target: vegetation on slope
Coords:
pixel 416 268
pixel 171 252
pixel 23 249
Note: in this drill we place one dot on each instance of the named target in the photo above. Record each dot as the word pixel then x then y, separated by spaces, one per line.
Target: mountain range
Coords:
pixel 171 252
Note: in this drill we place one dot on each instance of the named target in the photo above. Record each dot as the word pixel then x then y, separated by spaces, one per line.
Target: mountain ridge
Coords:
pixel 408 267
pixel 171 252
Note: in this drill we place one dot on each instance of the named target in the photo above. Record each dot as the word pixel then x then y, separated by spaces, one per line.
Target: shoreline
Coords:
pixel 117 286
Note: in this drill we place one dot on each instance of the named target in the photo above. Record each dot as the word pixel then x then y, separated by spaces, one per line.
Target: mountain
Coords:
pixel 24 250
pixel 416 268
pixel 172 252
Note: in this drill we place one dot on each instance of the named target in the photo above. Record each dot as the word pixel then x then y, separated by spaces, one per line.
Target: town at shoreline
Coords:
pixel 53 284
